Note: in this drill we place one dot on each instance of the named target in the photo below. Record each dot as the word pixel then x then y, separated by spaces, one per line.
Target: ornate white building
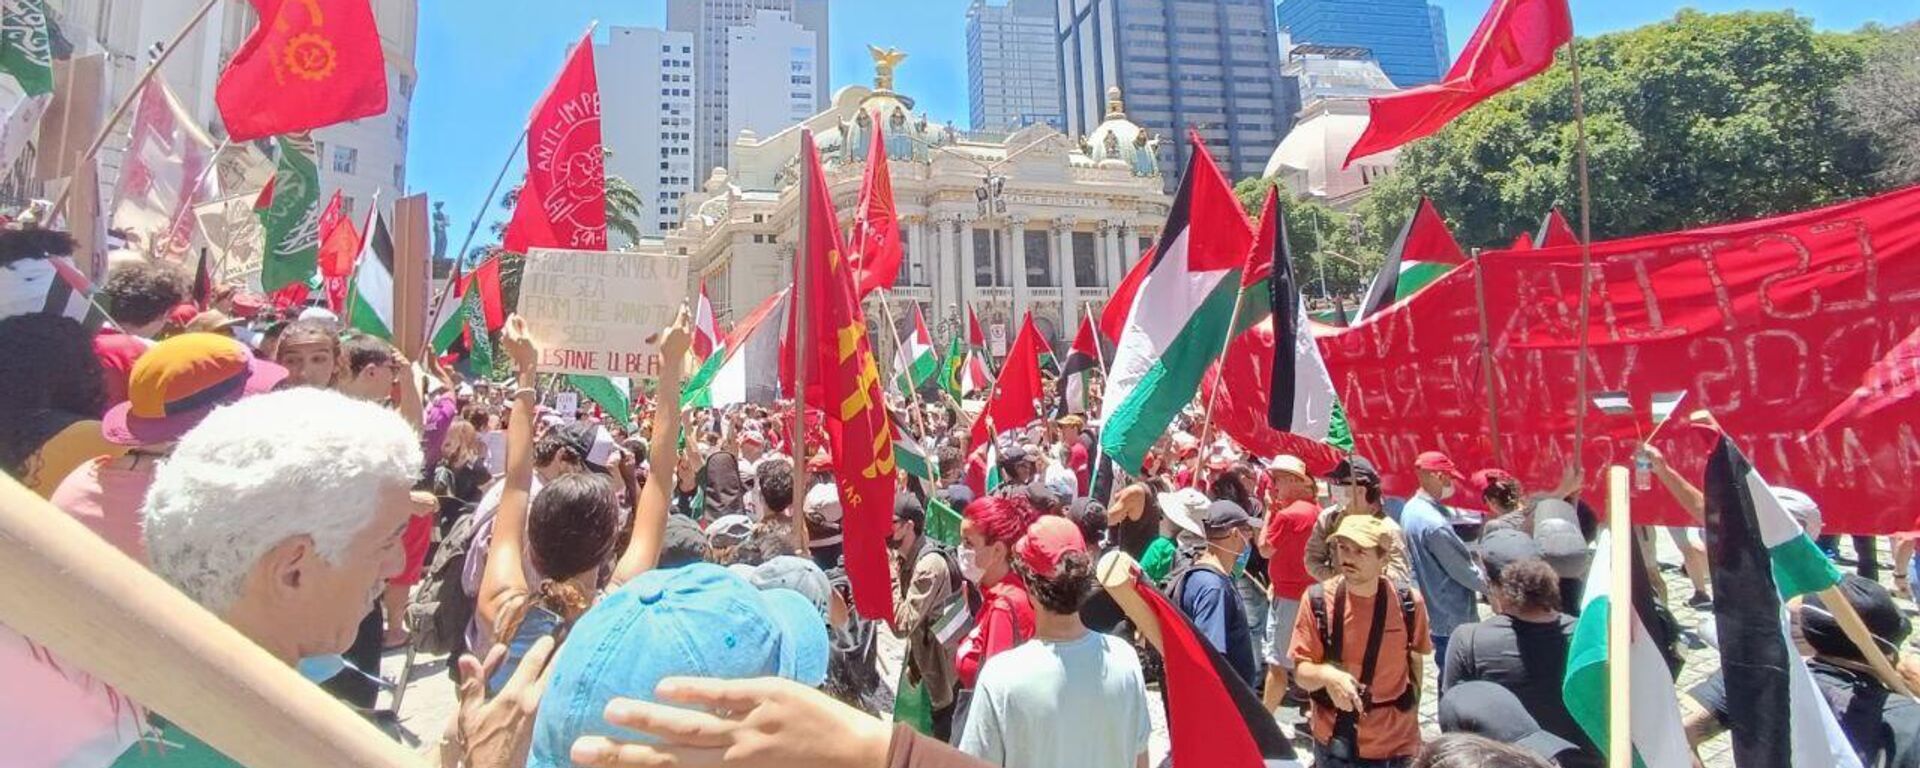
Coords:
pixel 1002 222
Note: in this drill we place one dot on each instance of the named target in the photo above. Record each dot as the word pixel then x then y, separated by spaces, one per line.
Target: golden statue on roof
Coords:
pixel 884 60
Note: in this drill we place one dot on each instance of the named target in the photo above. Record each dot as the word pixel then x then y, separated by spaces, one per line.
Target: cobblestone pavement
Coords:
pixel 430 702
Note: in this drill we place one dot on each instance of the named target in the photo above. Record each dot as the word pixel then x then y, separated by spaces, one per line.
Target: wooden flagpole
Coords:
pixel 1099 446
pixel 913 392
pixel 1580 402
pixel 193 191
pixel 1206 429
pixel 106 129
pixel 801 346
pixel 1486 360
pixel 1620 621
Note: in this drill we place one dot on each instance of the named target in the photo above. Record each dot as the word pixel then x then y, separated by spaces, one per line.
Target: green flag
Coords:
pixel 610 393
pixel 292 220
pixel 950 368
pixel 943 523
pixel 26 50
pixel 479 345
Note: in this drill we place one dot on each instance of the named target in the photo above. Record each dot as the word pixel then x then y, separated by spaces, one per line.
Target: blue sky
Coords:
pixel 483 64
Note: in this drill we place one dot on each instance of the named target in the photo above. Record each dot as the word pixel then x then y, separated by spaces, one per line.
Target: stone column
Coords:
pixel 1016 256
pixel 1069 282
pixel 963 230
pixel 1110 253
pixel 916 251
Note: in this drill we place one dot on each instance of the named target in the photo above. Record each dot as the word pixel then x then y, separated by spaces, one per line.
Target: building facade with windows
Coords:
pixel 711 22
pixel 1064 222
pixel 1013 67
pixel 771 65
pixel 1334 84
pixel 1408 37
pixel 648 86
pixel 1213 65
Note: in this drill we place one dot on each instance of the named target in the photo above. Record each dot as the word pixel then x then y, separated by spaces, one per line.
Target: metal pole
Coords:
pixel 106 129
pixel 1486 360
pixel 460 256
pixel 1580 404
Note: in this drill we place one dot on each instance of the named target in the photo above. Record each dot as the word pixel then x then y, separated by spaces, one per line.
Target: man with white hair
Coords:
pixel 282 515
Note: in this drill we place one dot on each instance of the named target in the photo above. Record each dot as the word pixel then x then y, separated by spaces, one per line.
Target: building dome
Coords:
pixel 1309 160
pixel 1120 143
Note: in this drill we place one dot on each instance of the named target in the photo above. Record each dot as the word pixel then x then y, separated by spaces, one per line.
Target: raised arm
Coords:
pixel 651 505
pixel 504 582
pixel 1690 498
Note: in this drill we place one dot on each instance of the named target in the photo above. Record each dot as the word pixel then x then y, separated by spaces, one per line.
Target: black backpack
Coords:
pixel 1315 598
pixel 441 608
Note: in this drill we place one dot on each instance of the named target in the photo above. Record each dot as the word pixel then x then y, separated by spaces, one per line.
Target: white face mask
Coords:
pixel 1342 496
pixel 969 564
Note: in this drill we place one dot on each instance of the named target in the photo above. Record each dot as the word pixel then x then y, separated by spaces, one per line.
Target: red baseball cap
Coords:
pixel 1047 541
pixel 1435 461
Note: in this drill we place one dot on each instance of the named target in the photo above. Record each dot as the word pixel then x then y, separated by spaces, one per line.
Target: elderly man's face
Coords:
pixel 331 599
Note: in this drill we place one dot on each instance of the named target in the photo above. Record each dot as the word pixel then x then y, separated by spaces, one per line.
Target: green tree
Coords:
pixel 1883 101
pixel 1699 119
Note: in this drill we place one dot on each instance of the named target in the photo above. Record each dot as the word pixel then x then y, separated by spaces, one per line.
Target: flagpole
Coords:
pixel 460 256
pixel 1620 621
pixel 1580 402
pixel 353 276
pixel 1486 360
pixel 106 129
pixel 801 347
pixel 213 163
pixel 1206 432
pixel 1099 446
pixel 913 392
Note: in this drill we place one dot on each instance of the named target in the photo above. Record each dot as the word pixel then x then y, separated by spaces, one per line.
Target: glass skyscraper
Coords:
pixel 1401 33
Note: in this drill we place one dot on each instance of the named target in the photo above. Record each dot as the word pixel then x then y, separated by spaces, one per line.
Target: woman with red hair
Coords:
pixel 988 529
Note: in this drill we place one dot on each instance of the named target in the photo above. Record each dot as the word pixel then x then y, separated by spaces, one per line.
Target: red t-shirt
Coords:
pixel 1077 460
pixel 117 351
pixel 1006 620
pixel 1288 529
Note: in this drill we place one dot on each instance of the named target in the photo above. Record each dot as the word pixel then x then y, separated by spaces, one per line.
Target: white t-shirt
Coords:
pixel 1046 704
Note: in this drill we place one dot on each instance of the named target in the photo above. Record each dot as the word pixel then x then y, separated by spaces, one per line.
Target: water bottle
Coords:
pixel 1642 471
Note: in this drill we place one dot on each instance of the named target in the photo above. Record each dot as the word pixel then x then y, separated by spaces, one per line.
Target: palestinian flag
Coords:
pixel 1761 558
pixel 449 322
pixel 1555 231
pixel 977 341
pixel 705 338
pixel 747 367
pixel 994 478
pixel 51 285
pixel 1424 251
pixel 610 393
pixel 1113 316
pixel 370 307
pixel 1076 379
pixel 1658 740
pixel 1181 318
pixel 913 359
pixel 1302 398
pixel 1203 696
pixel 943 523
pixel 909 456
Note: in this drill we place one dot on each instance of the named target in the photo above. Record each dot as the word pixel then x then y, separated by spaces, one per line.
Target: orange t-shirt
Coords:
pixel 1385 731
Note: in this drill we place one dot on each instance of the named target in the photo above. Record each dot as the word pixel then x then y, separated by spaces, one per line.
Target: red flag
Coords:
pixel 309 64
pixel 1515 41
pixel 563 203
pixel 976 338
pixel 292 295
pixel 1522 242
pixel 1113 317
pixel 705 337
pixel 1555 232
pixel 1213 719
pixel 1428 238
pixel 876 227
pixel 844 383
pixel 1014 401
pixel 1890 380
pixel 486 279
pixel 339 241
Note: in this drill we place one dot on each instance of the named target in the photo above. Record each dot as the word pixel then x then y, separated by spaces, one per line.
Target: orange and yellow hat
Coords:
pixel 177 382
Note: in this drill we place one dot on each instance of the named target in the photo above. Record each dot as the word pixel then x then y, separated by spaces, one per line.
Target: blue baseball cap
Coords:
pixel 698 620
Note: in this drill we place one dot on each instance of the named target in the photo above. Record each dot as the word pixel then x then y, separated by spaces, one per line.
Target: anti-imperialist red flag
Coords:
pixel 339 247
pixel 1015 400
pixel 486 279
pixel 1515 41
pixel 844 384
pixel 1213 719
pixel 876 227
pixel 1113 316
pixel 563 203
pixel 1555 231
pixel 309 64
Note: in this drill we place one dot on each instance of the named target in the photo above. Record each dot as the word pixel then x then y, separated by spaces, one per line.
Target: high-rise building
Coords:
pixel 1437 18
pixel 770 71
pixel 1013 68
pixel 1400 33
pixel 647 87
pixel 710 22
pixel 1208 64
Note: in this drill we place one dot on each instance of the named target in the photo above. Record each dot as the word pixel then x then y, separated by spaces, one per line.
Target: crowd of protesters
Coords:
pixel 678 596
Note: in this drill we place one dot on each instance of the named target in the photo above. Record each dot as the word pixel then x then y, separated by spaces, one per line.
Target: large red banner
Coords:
pixel 1768 324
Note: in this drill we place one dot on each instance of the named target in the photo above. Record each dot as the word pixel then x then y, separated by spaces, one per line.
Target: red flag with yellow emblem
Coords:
pixel 310 63
pixel 844 383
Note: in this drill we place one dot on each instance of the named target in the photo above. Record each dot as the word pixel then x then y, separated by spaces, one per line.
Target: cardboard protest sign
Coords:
pixel 591 312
